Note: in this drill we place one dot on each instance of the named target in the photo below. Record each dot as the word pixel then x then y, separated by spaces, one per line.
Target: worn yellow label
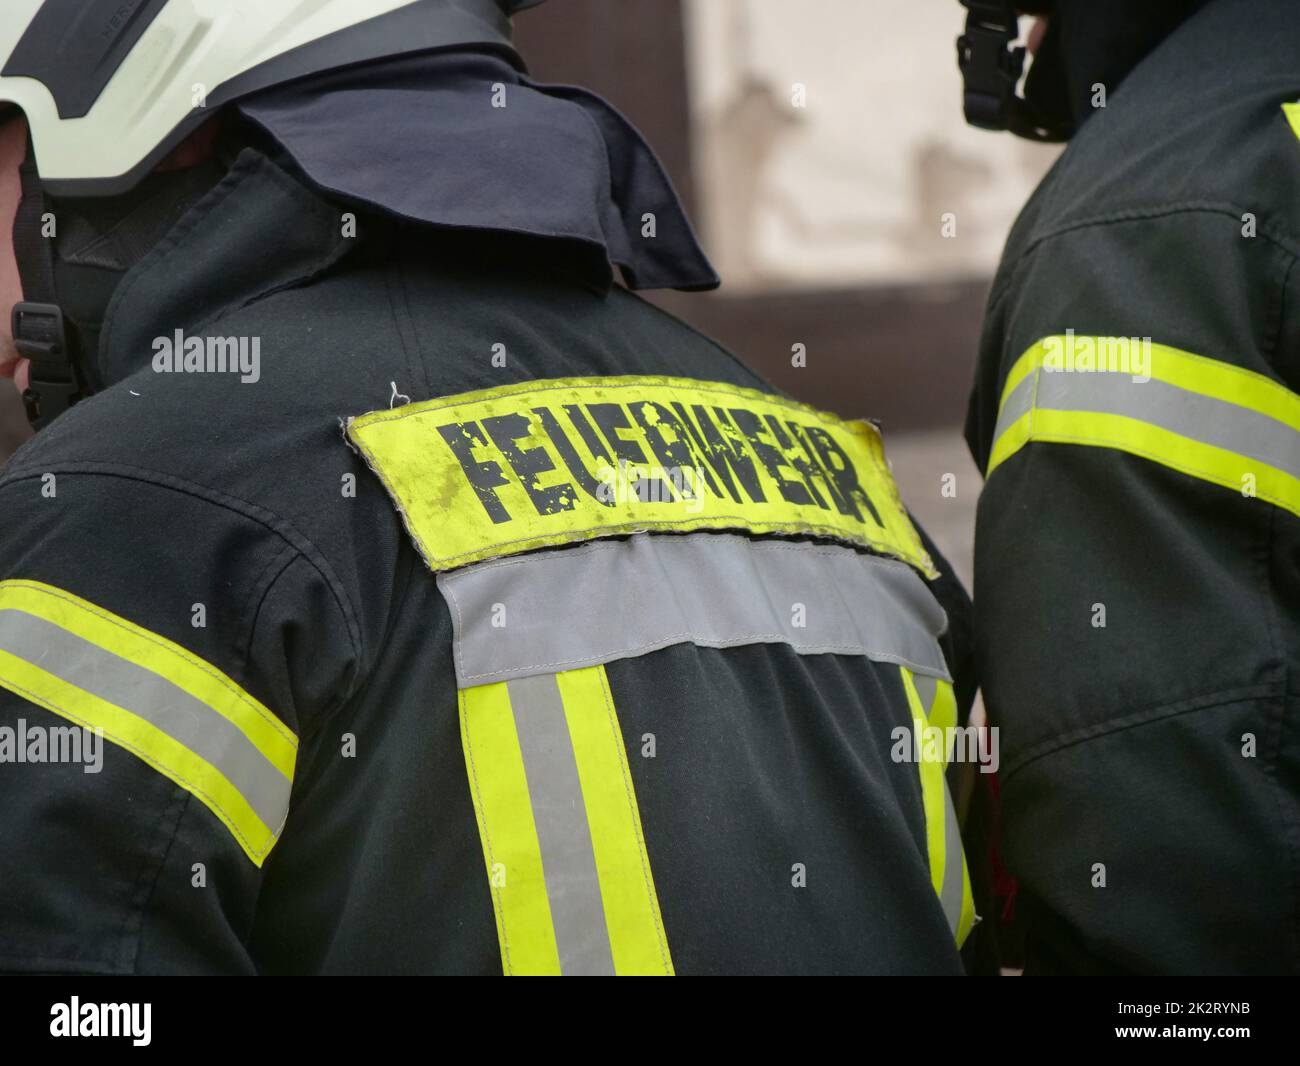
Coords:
pixel 540 463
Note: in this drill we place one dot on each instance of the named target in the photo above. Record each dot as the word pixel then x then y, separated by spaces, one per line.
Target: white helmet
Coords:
pixel 108 87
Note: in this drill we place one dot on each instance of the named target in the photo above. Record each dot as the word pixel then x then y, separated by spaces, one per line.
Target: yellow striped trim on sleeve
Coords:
pixel 152 697
pixel 1205 418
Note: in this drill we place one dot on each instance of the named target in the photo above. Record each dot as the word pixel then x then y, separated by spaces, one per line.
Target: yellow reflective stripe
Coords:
pixel 181 667
pixel 1186 370
pixel 553 795
pixel 1192 457
pixel 1292 112
pixel 943 711
pixel 147 743
pixel 943 715
pixel 540 463
pixel 1027 364
pixel 1010 441
pixel 932 785
pixel 632 916
pixel 967 921
pixel 1202 417
pixel 1223 381
pixel 148 695
pixel 943 834
pixel 508 833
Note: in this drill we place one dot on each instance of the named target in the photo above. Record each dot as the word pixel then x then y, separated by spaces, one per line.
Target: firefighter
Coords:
pixel 1137 554
pixel 431 603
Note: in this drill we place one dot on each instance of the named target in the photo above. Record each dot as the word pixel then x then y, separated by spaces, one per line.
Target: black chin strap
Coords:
pixel 39 331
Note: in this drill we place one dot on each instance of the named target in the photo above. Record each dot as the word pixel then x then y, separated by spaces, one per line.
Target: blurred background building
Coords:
pixel 820 149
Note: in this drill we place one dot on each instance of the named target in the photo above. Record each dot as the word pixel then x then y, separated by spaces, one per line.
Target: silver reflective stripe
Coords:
pixel 925 687
pixel 568 608
pixel 951 893
pixel 1020 400
pixel 164 705
pixel 1189 414
pixel 563 835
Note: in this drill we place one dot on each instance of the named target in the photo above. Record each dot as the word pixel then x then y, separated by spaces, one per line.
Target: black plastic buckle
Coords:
pixel 41 335
pixel 990 63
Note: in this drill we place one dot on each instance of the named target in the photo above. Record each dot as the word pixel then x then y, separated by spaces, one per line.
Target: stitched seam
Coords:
pixel 395 278
pixel 762 546
pixel 1207 701
pixel 253 608
pixel 181 807
pixel 457 640
pixel 1134 214
pixel 704 641
pixel 448 587
pixel 726 521
pixel 278 525
pixel 1141 214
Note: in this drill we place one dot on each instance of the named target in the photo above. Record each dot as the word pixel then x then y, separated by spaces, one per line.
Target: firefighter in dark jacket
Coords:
pixel 420 599
pixel 1137 557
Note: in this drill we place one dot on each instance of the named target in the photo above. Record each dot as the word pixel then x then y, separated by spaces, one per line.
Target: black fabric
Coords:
pixel 177 489
pixel 97 241
pixel 1100 42
pixel 31 248
pixel 1088 44
pixel 1124 746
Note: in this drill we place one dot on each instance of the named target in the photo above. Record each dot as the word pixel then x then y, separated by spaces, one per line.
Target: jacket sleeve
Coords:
pixel 1137 590
pixel 163 651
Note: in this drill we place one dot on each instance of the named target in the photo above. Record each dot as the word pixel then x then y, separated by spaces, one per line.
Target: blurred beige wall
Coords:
pixel 829 143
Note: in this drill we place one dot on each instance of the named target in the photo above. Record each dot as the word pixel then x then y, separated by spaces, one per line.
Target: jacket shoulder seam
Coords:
pixel 1273 235
pixel 275 523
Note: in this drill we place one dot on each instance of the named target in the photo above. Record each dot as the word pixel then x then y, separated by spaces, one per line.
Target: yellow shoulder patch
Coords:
pixel 541 463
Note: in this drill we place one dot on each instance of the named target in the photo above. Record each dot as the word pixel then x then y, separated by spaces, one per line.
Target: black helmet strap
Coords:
pixel 39 331
pixel 991 64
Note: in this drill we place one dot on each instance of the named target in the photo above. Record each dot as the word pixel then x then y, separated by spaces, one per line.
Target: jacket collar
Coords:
pixel 464 141
pixel 220 256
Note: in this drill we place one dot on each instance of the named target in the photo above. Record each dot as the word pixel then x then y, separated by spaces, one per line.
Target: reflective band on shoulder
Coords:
pixel 1205 418
pixel 182 716
pixel 566 859
pixel 1292 112
pixel 616 599
pixel 930 703
pixel 541 463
